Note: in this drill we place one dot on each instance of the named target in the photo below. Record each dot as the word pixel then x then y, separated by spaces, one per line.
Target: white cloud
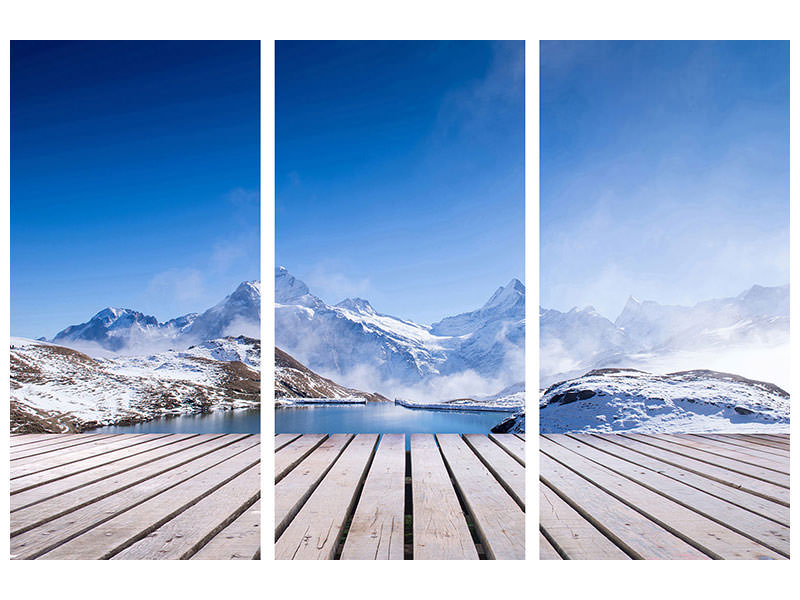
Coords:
pixel 182 285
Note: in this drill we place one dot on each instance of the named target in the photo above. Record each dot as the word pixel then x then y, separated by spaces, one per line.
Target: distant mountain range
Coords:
pixel 647 332
pixel 126 330
pixel 361 347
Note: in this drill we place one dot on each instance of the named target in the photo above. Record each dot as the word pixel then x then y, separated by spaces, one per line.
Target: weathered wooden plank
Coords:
pixel 53 533
pixel 744 446
pixel 240 540
pixel 771 463
pixel 438 524
pixel 546 550
pixel 731 464
pixel 506 470
pixel 79 443
pixel 114 535
pixel 758 487
pixel 576 536
pixel 293 490
pixel 626 449
pixel 108 463
pixel 511 444
pixel 38 513
pixel 151 451
pixel 637 535
pixel 712 538
pixel 109 451
pixel 376 530
pixel 762 441
pixel 314 533
pixel 764 531
pixel 184 534
pixel 59 442
pixel 743 443
pixel 290 456
pixel 284 439
pixel 65 484
pixel 499 520
pixel 770 436
pixel 23 439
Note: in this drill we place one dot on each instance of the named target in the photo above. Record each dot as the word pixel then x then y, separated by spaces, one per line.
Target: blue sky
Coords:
pixel 664 171
pixel 134 178
pixel 400 171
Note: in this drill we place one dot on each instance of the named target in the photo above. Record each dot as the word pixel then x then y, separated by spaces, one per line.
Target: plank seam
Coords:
pixel 114 474
pixel 731 442
pixel 309 492
pixel 697 545
pixel 52 517
pixel 676 501
pixel 700 459
pixel 686 483
pixel 351 510
pixel 477 535
pixel 127 508
pixel 494 473
pixel 148 530
pixel 610 535
pixel 228 520
pixel 72 462
pixel 744 458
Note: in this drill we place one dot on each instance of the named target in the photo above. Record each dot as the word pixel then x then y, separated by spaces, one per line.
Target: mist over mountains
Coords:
pixel 127 331
pixel 746 334
pixel 474 353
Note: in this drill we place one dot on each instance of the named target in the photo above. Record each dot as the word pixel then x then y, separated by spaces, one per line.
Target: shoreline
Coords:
pixel 67 423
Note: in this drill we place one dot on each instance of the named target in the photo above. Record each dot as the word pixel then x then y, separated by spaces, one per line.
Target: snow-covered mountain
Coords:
pixel 360 347
pixel 611 400
pixel 58 389
pixel 730 334
pixel 123 330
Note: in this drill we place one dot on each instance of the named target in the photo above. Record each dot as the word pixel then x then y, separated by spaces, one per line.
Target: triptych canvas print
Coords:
pixel 399 389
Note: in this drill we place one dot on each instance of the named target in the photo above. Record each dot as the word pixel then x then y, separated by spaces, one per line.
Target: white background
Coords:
pixel 411 19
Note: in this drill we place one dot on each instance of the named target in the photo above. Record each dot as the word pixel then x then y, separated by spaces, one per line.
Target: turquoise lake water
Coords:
pixel 377 417
pixel 222 421
pixel 381 417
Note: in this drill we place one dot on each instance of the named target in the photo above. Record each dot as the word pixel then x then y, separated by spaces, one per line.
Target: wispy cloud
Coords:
pixel 181 285
pixel 473 110
pixel 327 280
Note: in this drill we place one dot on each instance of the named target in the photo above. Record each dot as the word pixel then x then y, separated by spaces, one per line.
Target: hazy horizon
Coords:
pixel 664 171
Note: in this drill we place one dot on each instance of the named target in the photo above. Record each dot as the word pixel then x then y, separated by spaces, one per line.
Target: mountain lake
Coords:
pixel 244 420
pixel 381 417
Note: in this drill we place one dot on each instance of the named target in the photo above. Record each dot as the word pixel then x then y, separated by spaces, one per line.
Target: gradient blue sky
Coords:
pixel 400 171
pixel 664 171
pixel 134 178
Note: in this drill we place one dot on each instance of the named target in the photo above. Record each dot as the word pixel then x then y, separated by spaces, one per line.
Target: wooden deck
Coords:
pixel 135 496
pixel 636 496
pixel 365 497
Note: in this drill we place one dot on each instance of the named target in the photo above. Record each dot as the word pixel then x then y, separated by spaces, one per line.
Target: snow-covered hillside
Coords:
pixel 746 334
pixel 360 347
pixel 58 389
pixel 295 380
pixel 126 331
pixel 610 400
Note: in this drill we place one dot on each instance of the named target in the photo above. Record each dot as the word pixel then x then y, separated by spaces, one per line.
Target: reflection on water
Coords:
pixel 381 417
pixel 220 421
